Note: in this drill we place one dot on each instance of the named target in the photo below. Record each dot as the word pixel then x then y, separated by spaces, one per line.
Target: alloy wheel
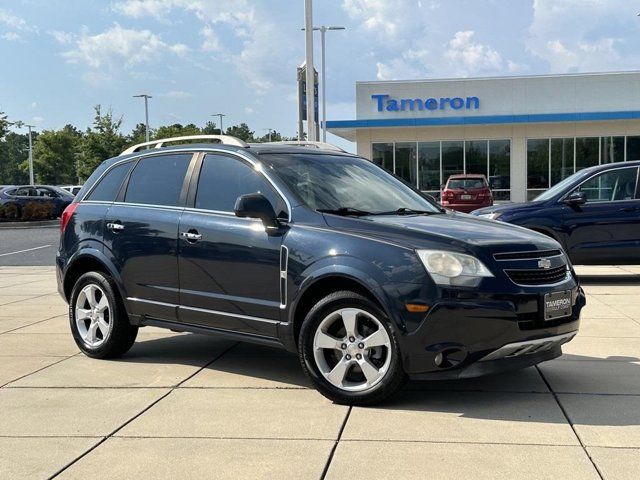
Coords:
pixel 93 315
pixel 352 349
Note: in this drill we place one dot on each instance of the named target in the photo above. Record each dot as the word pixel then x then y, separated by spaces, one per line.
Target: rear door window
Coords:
pixel 223 179
pixel 109 186
pixel 158 180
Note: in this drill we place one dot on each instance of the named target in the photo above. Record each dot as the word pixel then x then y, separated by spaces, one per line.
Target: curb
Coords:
pixel 38 224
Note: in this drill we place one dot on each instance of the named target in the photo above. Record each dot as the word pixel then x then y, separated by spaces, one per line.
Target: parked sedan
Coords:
pixel 33 202
pixel 466 193
pixel 594 214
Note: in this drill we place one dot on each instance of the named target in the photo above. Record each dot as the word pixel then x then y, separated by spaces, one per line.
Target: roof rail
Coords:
pixel 223 139
pixel 309 144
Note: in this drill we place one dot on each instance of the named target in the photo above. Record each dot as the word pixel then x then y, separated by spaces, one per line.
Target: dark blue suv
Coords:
pixel 594 214
pixel 313 250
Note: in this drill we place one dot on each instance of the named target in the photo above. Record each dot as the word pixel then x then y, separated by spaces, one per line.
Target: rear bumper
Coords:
pixel 466 207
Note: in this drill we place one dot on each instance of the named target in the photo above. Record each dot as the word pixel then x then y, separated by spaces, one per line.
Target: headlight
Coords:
pixel 492 216
pixel 449 268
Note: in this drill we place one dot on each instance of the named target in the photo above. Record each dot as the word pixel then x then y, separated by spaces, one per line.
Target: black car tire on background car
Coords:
pixel 369 319
pixel 98 320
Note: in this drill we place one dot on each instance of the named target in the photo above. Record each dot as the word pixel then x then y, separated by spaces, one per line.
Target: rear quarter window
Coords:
pixel 108 186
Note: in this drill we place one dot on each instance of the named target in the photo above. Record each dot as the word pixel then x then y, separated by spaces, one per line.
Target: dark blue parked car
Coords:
pixel 33 201
pixel 594 214
pixel 313 250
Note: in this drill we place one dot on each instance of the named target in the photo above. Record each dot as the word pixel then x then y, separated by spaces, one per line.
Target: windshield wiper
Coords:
pixel 344 211
pixel 407 211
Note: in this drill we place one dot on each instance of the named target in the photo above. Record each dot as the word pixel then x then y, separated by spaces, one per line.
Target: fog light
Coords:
pixel 438 359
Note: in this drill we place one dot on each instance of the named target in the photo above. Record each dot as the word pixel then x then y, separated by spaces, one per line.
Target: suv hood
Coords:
pixel 440 230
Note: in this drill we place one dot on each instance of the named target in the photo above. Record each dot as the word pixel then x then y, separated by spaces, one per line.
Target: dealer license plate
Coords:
pixel 465 197
pixel 557 305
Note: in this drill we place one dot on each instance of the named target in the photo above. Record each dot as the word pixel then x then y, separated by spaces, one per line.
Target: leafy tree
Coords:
pixel 177 130
pixel 14 149
pixel 210 128
pixel 54 155
pixel 139 134
pixel 4 125
pixel 102 141
pixel 242 132
pixel 275 137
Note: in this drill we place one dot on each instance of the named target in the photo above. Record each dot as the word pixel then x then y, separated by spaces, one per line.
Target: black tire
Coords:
pixel 392 381
pixel 120 334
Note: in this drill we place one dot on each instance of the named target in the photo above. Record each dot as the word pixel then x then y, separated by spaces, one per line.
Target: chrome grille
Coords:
pixel 527 255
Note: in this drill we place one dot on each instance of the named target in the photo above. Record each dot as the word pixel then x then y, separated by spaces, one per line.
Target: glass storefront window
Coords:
pixel 406 161
pixel 452 159
pixel 383 155
pixel 500 168
pixel 633 148
pixel 612 149
pixel 587 154
pixel 429 166
pixel 561 159
pixel 476 156
pixel 538 163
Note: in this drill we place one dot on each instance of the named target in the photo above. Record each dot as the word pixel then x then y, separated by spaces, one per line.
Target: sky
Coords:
pixel 59 58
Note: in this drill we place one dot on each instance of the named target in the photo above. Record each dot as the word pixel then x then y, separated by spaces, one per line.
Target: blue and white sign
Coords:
pixel 386 103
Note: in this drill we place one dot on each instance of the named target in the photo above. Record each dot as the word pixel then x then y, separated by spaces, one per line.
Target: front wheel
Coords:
pixel 349 350
pixel 98 320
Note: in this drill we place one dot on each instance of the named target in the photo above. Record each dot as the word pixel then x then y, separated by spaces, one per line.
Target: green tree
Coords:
pixel 139 134
pixel 242 132
pixel 4 125
pixel 177 130
pixel 55 154
pixel 14 150
pixel 210 128
pixel 102 141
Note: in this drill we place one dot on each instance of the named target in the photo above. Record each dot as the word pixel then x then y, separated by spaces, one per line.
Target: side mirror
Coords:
pixel 576 198
pixel 256 205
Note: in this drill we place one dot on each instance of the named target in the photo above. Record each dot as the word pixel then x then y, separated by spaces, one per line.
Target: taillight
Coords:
pixel 66 215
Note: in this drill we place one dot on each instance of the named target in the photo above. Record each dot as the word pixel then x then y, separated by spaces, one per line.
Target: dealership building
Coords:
pixel 524 133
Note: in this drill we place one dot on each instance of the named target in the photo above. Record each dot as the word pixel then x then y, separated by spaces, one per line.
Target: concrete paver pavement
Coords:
pixel 189 406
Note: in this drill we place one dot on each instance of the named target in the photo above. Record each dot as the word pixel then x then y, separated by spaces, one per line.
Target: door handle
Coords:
pixel 191 236
pixel 115 226
pixel 629 209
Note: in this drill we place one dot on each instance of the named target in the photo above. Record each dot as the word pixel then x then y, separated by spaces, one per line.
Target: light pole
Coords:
pixel 220 115
pixel 323 30
pixel 21 124
pixel 269 130
pixel 146 112
pixel 310 72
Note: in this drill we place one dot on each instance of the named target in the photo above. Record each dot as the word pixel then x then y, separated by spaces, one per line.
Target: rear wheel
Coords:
pixel 349 350
pixel 98 320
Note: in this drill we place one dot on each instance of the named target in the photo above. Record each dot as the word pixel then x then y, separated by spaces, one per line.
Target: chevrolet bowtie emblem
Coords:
pixel 544 263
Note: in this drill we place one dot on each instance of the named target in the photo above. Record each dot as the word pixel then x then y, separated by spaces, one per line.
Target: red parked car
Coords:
pixel 466 193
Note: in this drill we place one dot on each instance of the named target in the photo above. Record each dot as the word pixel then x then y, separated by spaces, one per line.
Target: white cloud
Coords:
pixel 469 57
pixel 116 46
pixel 63 38
pixel 265 53
pixel 177 94
pixel 249 110
pixel 584 35
pixel 11 37
pixel 13 21
pixel 34 104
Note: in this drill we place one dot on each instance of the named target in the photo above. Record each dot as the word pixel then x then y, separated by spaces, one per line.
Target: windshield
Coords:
pixel 340 182
pixel 465 183
pixel 61 191
pixel 559 187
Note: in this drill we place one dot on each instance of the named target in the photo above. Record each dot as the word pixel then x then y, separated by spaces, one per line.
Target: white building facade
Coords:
pixel 524 133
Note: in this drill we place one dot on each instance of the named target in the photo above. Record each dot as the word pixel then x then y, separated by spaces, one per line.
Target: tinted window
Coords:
pixel 158 180
pixel 45 192
pixel 461 183
pixel 614 185
pixel 224 179
pixel 107 189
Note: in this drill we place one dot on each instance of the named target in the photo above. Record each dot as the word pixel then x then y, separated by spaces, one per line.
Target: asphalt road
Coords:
pixel 28 246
